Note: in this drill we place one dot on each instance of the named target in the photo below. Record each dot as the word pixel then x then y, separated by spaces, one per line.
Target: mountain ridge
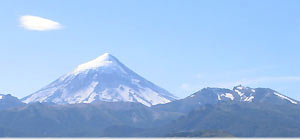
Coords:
pixel 237 94
pixel 209 112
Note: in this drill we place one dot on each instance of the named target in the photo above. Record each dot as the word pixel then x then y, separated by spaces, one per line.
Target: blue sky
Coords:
pixel 182 46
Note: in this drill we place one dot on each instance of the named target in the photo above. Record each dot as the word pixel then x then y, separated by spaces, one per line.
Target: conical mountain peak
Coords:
pixel 102 79
pixel 106 57
pixel 105 60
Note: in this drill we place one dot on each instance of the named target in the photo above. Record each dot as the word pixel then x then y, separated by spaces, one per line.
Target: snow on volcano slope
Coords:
pixel 102 79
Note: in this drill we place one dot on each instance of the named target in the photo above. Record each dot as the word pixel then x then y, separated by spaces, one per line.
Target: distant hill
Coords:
pixel 9 101
pixel 81 120
pixel 242 120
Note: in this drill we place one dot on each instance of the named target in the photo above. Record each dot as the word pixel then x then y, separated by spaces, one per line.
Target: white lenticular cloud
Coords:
pixel 38 23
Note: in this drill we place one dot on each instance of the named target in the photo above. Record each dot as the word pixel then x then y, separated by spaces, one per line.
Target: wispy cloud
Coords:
pixel 38 23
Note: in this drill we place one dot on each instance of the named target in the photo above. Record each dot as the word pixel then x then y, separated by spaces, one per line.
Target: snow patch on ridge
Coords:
pixel 249 99
pixel 284 97
pixel 240 93
pixel 240 87
pixel 219 97
pixel 228 95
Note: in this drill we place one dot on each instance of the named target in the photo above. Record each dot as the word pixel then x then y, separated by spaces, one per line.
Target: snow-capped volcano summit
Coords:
pixel 102 79
pixel 105 60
